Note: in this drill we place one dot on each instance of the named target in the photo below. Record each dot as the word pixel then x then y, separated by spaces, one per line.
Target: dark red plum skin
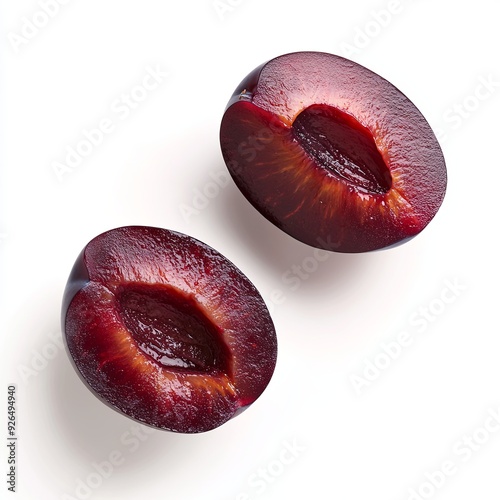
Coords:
pixel 164 329
pixel 332 153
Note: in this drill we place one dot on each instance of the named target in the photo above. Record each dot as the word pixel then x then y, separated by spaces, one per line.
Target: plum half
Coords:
pixel 166 330
pixel 332 153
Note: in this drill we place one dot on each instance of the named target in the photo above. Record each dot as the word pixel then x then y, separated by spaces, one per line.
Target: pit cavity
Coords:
pixel 336 141
pixel 170 327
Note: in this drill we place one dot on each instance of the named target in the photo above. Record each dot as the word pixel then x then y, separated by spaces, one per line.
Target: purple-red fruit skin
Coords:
pixel 332 153
pixel 166 330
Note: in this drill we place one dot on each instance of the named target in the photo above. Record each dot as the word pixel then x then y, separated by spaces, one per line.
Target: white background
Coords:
pixel 377 440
